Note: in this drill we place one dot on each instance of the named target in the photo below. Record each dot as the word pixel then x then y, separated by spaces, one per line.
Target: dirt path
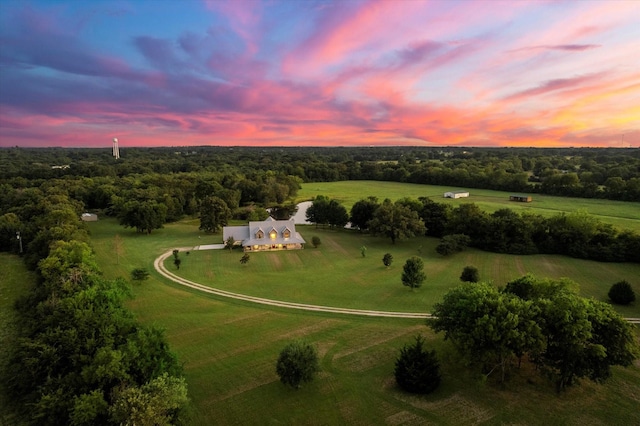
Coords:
pixel 158 264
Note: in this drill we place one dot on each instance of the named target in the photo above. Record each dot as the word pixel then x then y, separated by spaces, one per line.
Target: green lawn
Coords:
pixel 229 348
pixel 625 215
pixel 336 274
pixel 15 281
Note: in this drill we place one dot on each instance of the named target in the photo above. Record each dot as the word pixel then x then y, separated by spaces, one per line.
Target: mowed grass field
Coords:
pixel 229 348
pixel 336 274
pixel 15 281
pixel 623 215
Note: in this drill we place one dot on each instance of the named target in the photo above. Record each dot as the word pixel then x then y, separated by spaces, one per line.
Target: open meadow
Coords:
pixel 229 348
pixel 624 215
pixel 336 274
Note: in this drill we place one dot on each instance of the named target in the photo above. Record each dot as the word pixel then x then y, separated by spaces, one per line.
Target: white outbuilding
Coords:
pixel 456 194
pixel 89 217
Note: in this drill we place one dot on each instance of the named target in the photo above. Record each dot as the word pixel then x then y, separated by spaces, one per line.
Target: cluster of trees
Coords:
pixel 566 336
pixel 578 172
pixel 81 358
pixel 146 202
pixel 393 220
pixel 326 212
pixel 505 231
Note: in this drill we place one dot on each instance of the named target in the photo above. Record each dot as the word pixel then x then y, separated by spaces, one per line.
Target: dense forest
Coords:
pixel 611 173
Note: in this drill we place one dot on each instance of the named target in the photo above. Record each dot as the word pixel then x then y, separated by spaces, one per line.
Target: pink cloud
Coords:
pixel 556 85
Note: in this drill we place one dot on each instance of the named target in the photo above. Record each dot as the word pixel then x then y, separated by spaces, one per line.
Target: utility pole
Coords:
pixel 19 240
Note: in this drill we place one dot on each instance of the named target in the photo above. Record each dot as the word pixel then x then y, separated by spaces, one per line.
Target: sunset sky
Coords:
pixel 319 73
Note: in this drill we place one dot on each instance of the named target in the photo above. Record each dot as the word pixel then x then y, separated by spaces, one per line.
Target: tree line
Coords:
pixel 504 231
pixel 80 357
pixel 578 172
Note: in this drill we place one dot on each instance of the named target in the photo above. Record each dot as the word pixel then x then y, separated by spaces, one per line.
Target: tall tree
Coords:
pixel 362 212
pixel 435 216
pixel 214 214
pixel 337 214
pixel 145 216
pixel 489 328
pixel 318 211
pixel 417 370
pixel 396 221
pixel 413 272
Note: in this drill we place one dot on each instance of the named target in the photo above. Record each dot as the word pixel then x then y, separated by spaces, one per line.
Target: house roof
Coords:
pixel 239 233
pixel 250 234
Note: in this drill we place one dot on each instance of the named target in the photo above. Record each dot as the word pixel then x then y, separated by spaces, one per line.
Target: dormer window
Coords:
pixel 286 234
pixel 273 234
pixel 259 234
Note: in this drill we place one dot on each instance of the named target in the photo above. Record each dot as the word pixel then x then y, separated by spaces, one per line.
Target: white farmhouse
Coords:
pixel 268 235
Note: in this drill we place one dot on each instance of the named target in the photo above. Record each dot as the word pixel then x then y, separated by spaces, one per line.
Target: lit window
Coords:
pixel 273 234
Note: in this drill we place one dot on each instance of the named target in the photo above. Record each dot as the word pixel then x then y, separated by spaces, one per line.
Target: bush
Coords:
pixel 387 259
pixel 315 240
pixel 297 363
pixel 139 274
pixel 417 370
pixel 470 274
pixel 621 293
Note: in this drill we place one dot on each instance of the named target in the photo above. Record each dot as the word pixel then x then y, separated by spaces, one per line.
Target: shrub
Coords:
pixel 470 274
pixel 621 293
pixel 139 274
pixel 297 363
pixel 315 240
pixel 417 370
pixel 387 259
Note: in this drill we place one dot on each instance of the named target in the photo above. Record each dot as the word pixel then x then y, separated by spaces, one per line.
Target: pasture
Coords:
pixel 336 274
pixel 624 215
pixel 229 347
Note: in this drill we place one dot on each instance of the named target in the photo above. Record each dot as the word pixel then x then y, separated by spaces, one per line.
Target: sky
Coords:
pixel 320 73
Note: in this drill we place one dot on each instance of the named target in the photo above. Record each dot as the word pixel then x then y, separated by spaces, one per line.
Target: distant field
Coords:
pixel 625 215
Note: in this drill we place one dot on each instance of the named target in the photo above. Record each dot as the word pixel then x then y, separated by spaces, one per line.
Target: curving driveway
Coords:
pixel 158 264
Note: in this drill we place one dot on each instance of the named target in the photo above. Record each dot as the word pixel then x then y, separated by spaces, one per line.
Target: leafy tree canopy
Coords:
pixel 297 363
pixel 622 293
pixel 396 221
pixel 413 272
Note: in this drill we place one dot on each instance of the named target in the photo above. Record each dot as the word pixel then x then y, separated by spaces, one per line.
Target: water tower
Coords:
pixel 116 150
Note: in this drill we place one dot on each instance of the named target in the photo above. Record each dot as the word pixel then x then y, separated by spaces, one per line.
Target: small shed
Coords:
pixel 456 194
pixel 521 198
pixel 89 217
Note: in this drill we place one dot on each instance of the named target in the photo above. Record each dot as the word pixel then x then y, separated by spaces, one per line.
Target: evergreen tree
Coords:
pixel 417 370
